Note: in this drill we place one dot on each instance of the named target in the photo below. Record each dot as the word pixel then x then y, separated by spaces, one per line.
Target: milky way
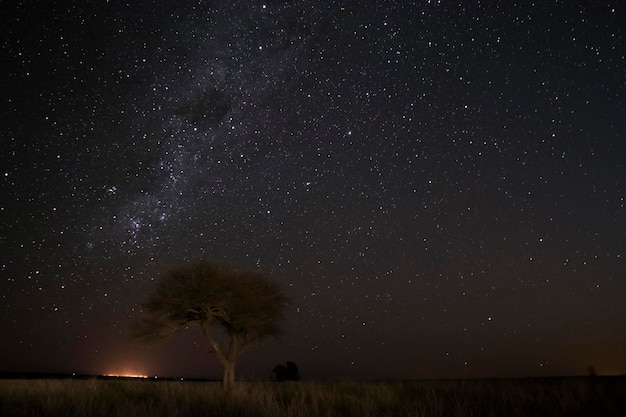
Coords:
pixel 438 186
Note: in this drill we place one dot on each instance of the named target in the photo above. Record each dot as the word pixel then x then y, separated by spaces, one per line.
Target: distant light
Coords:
pixel 126 376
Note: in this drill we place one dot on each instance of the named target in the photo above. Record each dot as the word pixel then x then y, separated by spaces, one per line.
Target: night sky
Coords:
pixel 439 186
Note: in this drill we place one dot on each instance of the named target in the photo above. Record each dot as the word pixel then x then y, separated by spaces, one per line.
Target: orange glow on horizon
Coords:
pixel 126 372
pixel 123 375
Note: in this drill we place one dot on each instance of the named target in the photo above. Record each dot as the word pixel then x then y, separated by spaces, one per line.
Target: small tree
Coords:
pixel 286 373
pixel 245 305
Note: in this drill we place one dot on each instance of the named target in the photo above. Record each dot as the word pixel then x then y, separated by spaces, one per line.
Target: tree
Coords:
pixel 246 305
pixel 279 373
pixel 286 373
pixel 292 369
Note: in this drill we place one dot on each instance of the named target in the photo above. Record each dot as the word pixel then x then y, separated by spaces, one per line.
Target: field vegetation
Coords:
pixel 597 396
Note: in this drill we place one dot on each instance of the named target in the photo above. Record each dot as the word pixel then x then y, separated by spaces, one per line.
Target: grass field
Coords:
pixel 594 396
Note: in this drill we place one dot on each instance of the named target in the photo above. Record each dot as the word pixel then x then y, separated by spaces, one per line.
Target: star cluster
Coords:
pixel 439 186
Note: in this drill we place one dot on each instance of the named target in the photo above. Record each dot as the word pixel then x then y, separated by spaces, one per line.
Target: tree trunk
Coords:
pixel 228 380
pixel 230 360
pixel 227 359
pixel 228 364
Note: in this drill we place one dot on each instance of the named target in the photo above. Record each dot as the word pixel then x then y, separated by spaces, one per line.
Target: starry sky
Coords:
pixel 438 186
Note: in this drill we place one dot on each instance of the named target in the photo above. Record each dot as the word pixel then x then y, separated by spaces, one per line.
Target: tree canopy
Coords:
pixel 246 305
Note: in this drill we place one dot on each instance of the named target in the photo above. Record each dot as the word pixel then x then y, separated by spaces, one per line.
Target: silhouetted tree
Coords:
pixel 286 373
pixel 245 305
pixel 292 371
pixel 279 373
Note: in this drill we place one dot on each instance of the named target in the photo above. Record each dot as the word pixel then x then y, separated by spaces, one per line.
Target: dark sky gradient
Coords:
pixel 439 186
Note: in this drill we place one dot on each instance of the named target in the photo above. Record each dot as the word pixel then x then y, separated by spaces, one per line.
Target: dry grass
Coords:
pixel 139 398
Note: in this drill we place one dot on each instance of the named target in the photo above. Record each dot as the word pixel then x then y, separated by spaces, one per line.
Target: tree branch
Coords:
pixel 217 349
